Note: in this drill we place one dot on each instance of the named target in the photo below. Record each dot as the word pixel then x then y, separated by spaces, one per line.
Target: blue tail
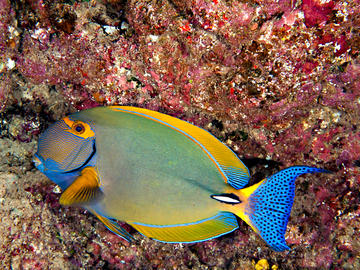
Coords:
pixel 269 206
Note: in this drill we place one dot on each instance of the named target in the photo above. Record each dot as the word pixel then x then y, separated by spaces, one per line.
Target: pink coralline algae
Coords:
pixel 317 12
pixel 277 81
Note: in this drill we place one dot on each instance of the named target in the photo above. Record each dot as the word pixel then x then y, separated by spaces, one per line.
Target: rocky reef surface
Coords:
pixel 277 81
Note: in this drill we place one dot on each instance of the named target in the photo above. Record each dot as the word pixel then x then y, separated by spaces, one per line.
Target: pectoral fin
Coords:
pixel 84 189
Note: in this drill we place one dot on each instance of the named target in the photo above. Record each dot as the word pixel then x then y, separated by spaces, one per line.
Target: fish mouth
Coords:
pixel 38 163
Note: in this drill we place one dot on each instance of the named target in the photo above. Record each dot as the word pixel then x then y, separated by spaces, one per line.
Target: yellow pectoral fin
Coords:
pixel 84 189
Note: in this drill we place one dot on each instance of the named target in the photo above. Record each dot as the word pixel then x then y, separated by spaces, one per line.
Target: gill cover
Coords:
pixel 66 145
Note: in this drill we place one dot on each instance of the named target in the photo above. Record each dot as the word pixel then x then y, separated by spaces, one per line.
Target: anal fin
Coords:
pixel 202 230
pixel 113 226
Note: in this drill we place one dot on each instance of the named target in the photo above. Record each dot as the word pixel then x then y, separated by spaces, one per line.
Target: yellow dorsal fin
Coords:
pixel 84 189
pixel 232 169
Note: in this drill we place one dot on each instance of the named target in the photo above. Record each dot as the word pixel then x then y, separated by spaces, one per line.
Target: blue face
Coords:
pixel 64 149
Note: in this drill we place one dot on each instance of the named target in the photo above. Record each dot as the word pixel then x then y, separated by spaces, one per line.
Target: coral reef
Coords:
pixel 277 81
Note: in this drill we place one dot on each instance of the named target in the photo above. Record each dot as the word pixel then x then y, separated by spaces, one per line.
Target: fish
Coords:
pixel 170 180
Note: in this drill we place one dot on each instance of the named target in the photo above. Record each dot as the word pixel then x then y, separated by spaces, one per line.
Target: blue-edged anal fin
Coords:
pixel 266 206
pixel 112 226
pixel 84 189
pixel 202 230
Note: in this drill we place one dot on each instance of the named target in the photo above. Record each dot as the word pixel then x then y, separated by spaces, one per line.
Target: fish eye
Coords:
pixel 78 128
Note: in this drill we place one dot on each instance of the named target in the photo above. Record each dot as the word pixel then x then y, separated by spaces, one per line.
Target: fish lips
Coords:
pixel 39 164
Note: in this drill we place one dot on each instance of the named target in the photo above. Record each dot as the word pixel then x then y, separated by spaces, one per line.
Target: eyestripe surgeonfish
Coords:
pixel 170 180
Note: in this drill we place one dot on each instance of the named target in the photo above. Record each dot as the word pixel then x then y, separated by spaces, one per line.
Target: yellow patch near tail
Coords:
pixel 241 210
pixel 84 189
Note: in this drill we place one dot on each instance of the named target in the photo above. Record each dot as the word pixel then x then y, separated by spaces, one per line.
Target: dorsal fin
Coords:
pixel 232 169
pixel 84 189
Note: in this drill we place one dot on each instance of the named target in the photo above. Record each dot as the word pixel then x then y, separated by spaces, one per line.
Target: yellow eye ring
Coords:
pixel 78 128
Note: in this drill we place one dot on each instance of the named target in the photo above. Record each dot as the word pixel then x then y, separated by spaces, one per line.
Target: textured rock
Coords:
pixel 278 81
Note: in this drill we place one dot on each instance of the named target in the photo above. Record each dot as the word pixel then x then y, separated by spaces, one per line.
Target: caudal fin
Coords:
pixel 268 206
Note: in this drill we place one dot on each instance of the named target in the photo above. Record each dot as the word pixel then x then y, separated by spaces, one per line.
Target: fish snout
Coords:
pixel 38 163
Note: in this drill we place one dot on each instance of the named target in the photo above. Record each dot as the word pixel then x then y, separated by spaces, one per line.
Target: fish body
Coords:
pixel 162 168
pixel 170 180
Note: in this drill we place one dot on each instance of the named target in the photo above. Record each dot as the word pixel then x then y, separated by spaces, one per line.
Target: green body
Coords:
pixel 150 173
